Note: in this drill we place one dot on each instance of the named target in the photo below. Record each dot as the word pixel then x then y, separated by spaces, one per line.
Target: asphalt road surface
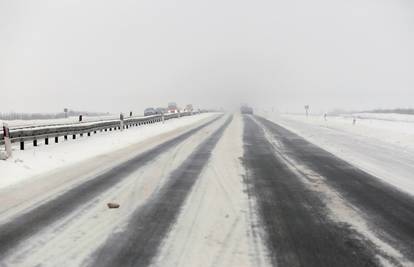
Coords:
pixel 300 230
pixel 230 191
pixel 34 220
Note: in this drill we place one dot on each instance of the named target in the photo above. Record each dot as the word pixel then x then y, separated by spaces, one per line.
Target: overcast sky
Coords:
pixel 101 55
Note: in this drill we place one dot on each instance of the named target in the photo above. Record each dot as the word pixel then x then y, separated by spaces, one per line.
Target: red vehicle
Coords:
pixel 172 107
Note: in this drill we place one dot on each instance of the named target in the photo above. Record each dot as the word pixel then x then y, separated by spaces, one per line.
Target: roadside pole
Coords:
pixel 7 142
pixel 307 110
pixel 121 118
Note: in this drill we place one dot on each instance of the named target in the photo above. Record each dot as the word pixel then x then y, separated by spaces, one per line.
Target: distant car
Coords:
pixel 161 110
pixel 189 108
pixel 172 107
pixel 246 110
pixel 150 112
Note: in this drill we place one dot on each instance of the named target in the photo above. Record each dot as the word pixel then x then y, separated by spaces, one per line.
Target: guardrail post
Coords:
pixel 21 145
pixel 121 121
pixel 46 141
pixel 74 136
pixel 56 139
pixel 65 137
pixel 7 142
pixel 89 133
pixel 35 142
pixel 81 134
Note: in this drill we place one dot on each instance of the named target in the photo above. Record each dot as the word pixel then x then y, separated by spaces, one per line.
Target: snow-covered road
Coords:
pixel 222 190
pixel 381 144
pixel 37 161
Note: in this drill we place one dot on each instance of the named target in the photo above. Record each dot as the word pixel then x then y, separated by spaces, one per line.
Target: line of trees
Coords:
pixel 42 116
pixel 409 111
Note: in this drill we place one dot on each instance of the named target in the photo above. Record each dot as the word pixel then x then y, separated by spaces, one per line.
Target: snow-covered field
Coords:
pixel 34 161
pixel 381 144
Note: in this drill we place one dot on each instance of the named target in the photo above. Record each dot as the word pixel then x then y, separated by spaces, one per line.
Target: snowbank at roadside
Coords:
pixel 381 144
pixel 38 160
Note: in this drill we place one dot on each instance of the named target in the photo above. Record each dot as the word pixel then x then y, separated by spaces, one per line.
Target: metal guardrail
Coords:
pixel 34 133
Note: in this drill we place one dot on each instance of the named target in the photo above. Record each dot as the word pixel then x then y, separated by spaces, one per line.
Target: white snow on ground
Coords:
pixel 215 226
pixel 74 238
pixel 381 144
pixel 340 210
pixel 383 116
pixel 34 161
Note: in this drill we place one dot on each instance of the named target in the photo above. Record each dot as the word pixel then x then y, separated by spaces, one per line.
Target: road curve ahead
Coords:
pixel 317 210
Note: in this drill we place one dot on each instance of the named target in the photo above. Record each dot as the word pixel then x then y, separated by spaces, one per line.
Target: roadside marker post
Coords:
pixel 121 118
pixel 307 110
pixel 7 142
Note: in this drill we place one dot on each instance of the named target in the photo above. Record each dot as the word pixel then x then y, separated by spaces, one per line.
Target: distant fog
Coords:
pixel 113 56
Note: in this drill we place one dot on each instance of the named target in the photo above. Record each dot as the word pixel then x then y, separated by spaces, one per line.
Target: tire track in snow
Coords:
pixel 73 239
pixel 23 226
pixel 388 211
pixel 298 228
pixel 214 225
pixel 139 243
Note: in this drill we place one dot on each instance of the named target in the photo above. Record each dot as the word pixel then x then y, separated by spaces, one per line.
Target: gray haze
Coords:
pixel 101 55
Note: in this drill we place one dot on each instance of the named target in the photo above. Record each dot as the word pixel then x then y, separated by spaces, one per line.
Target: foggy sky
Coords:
pixel 101 55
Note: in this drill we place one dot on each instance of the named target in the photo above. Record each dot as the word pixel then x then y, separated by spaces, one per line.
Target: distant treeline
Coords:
pixel 409 111
pixel 397 110
pixel 43 116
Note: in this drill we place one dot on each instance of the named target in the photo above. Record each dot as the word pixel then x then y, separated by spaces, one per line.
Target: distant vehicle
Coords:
pixel 188 108
pixel 172 107
pixel 246 109
pixel 150 112
pixel 161 110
